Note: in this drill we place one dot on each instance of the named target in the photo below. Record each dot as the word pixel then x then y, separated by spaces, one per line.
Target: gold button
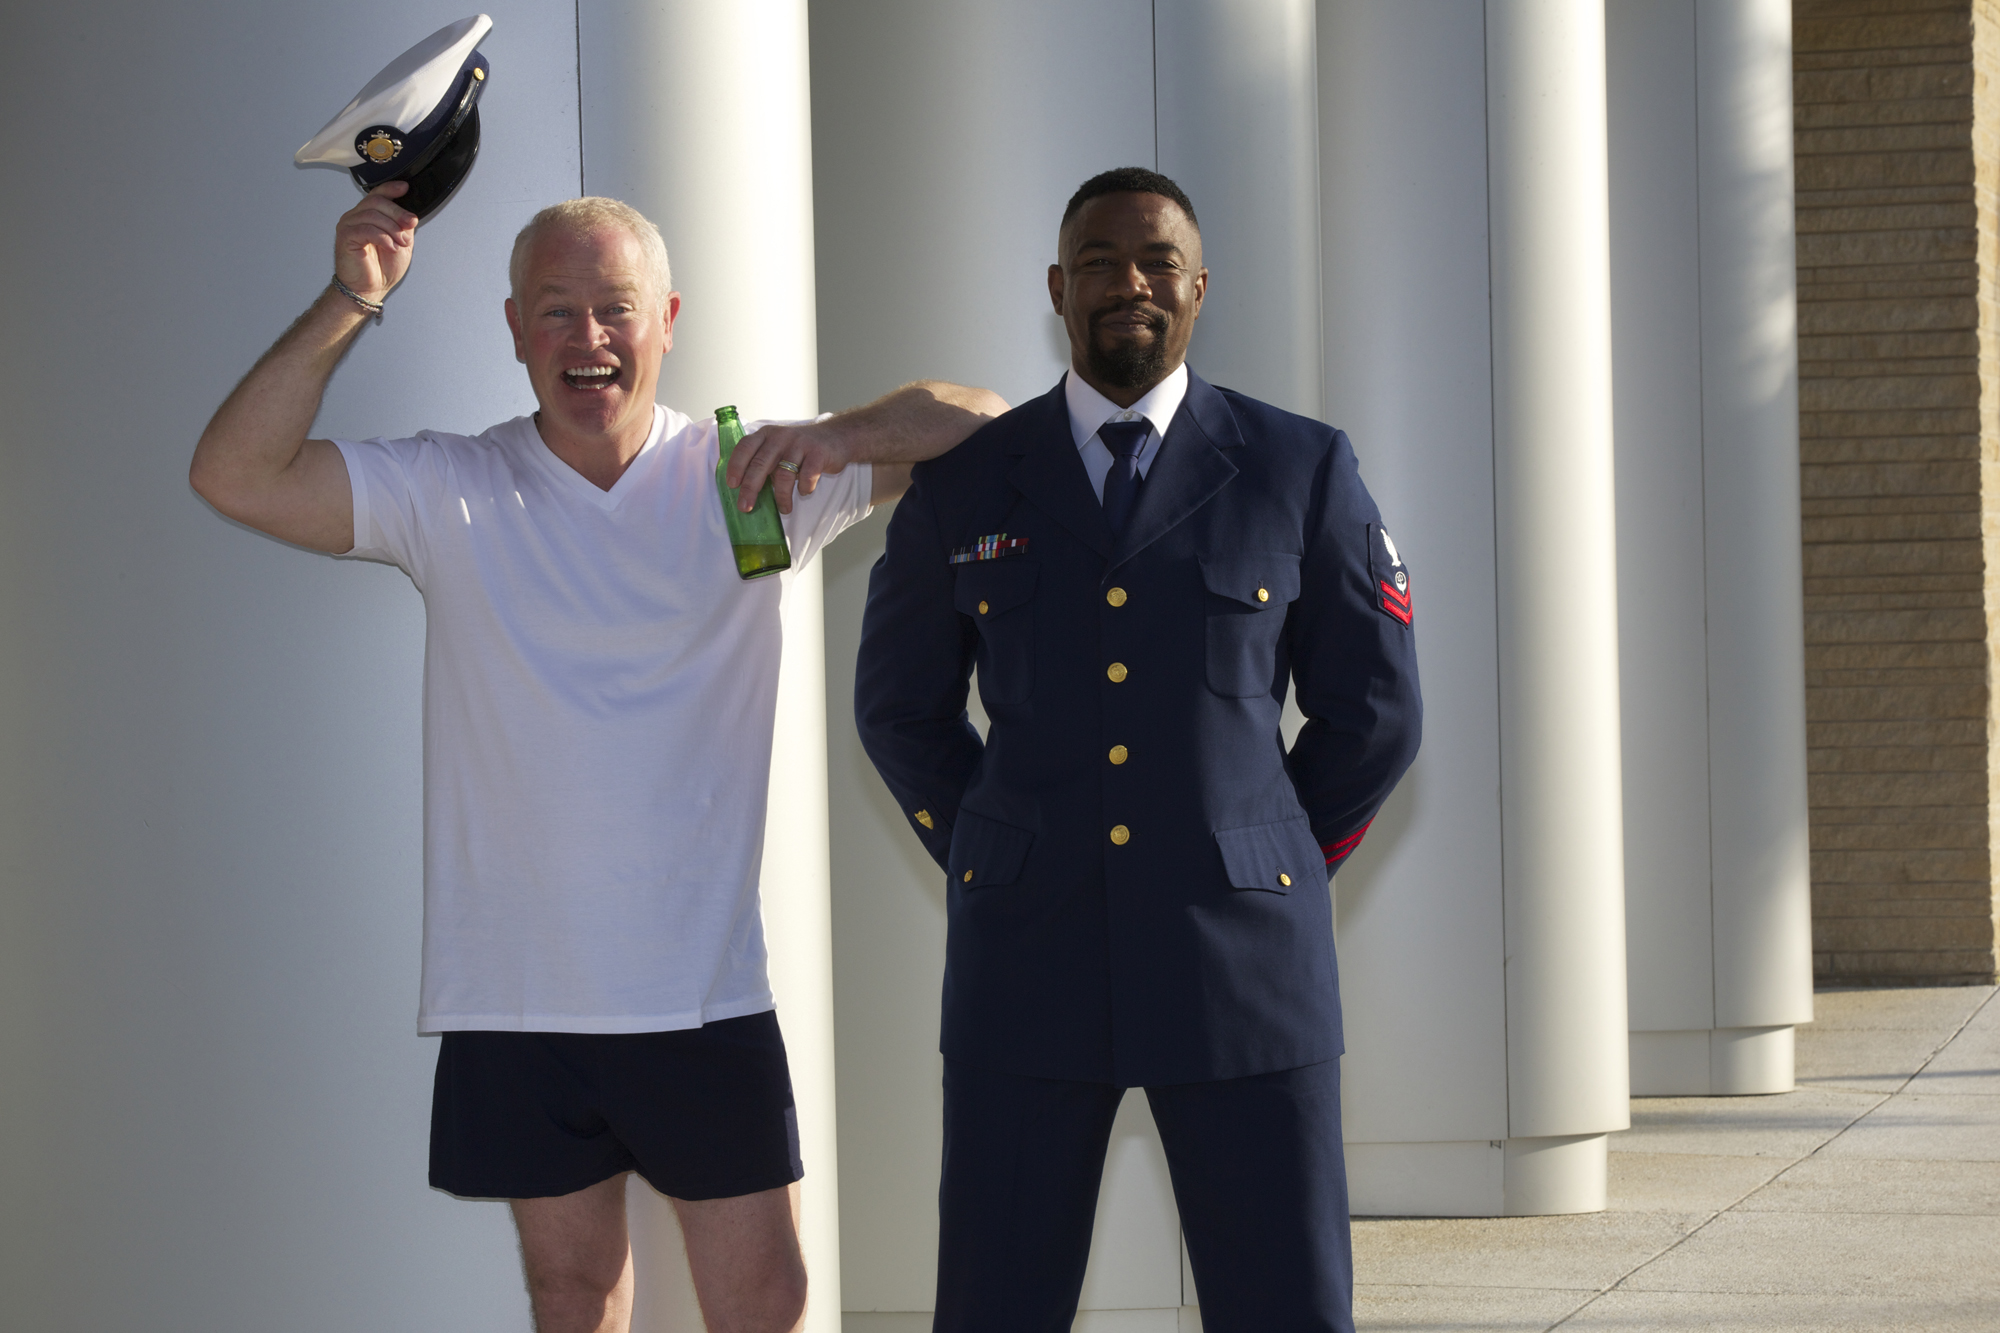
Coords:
pixel 982 608
pixel 1120 834
pixel 1284 879
pixel 924 817
pixel 1263 595
pixel 479 74
pixel 1116 597
pixel 1119 754
pixel 968 877
pixel 1116 671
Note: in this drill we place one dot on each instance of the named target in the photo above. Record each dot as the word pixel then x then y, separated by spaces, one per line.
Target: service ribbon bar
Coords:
pixel 989 548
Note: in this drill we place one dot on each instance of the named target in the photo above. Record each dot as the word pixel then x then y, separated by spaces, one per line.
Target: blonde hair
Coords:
pixel 580 217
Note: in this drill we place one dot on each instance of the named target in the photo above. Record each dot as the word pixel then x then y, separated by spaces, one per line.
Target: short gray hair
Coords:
pixel 580 217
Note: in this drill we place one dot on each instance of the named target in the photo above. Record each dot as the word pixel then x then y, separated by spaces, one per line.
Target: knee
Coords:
pixel 784 1305
pixel 775 1305
pixel 574 1294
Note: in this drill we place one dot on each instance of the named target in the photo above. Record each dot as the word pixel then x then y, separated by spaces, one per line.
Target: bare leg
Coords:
pixel 744 1254
pixel 577 1259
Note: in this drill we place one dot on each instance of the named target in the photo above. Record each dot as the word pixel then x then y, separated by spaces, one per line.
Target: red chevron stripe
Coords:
pixel 1335 850
pixel 1401 599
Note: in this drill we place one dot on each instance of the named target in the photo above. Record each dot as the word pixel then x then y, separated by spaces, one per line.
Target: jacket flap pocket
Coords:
pixel 1256 578
pixel 988 588
pixel 986 851
pixel 1273 857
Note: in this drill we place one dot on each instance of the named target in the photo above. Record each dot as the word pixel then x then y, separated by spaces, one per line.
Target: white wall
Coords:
pixel 215 1103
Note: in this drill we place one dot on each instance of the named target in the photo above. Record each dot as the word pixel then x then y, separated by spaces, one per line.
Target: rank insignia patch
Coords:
pixel 1392 579
pixel 996 547
pixel 1396 601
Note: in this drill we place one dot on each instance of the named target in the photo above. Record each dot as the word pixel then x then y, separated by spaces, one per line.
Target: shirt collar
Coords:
pixel 1089 409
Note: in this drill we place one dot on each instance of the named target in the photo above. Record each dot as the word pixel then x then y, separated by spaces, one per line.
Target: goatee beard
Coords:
pixel 1129 365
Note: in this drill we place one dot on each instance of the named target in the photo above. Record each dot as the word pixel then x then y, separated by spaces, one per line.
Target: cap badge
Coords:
pixel 378 145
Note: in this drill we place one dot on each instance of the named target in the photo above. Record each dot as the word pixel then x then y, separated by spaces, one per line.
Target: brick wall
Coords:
pixel 1897 232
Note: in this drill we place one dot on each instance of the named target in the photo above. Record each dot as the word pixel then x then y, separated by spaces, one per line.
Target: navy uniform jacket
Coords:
pixel 1157 912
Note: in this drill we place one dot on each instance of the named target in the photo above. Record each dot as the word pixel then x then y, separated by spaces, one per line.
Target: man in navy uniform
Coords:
pixel 1138 564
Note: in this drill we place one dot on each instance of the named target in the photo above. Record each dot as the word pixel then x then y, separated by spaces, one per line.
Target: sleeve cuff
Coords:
pixel 1336 852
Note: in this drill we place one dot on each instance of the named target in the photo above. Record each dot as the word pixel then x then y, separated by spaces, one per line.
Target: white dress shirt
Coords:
pixel 1089 409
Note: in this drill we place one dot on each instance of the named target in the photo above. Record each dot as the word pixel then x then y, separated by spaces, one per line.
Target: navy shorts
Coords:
pixel 702 1113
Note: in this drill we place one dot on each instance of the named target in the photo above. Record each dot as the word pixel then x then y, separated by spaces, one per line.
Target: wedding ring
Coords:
pixel 789 466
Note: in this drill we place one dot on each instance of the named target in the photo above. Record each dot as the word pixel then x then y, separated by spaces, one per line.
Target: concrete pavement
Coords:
pixel 1869 1198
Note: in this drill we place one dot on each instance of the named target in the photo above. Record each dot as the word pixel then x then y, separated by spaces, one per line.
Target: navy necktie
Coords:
pixel 1121 484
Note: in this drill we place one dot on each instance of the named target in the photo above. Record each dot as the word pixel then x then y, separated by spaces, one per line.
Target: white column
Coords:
pixel 1238 111
pixel 947 138
pixel 1709 562
pixel 1556 566
pixel 700 117
pixel 216 1102
pixel 1468 352
pixel 1750 452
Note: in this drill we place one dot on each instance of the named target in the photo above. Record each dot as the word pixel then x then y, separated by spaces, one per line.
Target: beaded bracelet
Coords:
pixel 372 307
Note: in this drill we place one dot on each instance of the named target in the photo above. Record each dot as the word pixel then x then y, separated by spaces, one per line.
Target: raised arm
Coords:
pixel 254 462
pixel 916 422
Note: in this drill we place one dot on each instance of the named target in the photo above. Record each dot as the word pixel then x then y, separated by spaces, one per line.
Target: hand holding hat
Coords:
pixel 417 121
pixel 373 243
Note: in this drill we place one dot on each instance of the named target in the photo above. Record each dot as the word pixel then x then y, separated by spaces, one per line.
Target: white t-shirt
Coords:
pixel 599 695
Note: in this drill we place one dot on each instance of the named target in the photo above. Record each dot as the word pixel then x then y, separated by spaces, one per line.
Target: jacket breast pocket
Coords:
pixel 999 597
pixel 1276 858
pixel 986 851
pixel 1248 594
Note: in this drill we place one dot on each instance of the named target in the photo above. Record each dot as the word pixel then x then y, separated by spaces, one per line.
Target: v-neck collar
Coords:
pixel 581 485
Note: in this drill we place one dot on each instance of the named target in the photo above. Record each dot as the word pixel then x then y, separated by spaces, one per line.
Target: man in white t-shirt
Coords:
pixel 599 695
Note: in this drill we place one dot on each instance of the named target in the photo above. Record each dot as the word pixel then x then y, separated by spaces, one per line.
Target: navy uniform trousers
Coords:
pixel 1257 1173
pixel 1136 862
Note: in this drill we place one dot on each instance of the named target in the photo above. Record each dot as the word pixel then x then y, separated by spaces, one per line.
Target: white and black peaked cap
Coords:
pixel 416 121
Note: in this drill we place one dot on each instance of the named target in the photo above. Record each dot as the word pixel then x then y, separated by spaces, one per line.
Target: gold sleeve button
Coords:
pixel 924 817
pixel 1263 595
pixel 1120 834
pixel 1284 879
pixel 983 608
pixel 968 877
pixel 1116 597
pixel 1119 754
pixel 1116 671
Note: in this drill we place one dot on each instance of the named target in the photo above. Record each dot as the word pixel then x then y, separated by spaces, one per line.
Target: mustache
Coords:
pixel 1154 318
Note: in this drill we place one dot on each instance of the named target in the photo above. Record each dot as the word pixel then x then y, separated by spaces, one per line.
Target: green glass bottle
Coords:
pixel 757 537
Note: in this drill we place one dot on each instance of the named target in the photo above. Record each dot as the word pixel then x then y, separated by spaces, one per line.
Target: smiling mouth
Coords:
pixel 592 378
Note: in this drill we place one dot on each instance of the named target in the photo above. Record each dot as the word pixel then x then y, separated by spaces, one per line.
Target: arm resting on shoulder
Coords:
pixel 916 422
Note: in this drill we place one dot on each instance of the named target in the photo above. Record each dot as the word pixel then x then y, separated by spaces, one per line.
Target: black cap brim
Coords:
pixel 436 180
